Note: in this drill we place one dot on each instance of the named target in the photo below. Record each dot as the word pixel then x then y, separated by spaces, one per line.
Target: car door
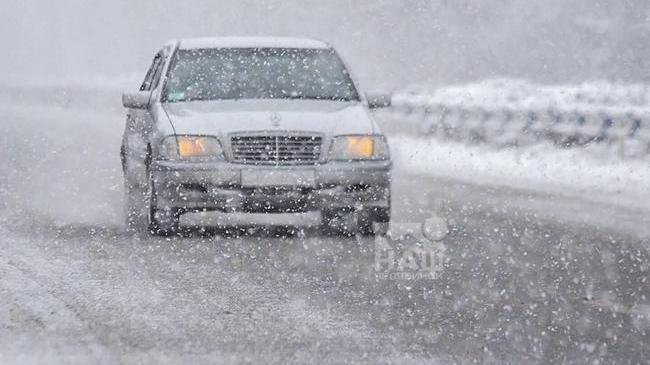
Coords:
pixel 139 126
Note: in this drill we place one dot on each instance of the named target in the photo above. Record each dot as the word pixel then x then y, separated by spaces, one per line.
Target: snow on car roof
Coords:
pixel 251 42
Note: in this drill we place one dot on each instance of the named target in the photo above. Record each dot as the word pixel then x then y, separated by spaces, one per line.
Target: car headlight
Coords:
pixel 359 148
pixel 191 147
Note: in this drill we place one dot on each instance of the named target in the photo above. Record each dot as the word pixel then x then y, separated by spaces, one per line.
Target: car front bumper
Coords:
pixel 228 187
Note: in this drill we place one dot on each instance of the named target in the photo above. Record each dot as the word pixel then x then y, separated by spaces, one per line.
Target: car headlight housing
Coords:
pixel 191 148
pixel 359 147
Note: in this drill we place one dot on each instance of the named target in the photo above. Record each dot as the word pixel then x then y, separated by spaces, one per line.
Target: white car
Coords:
pixel 257 125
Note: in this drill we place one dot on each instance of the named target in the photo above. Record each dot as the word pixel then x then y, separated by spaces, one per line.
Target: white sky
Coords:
pixel 389 43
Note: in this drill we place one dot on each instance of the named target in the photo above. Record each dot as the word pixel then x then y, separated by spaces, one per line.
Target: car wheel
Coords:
pixel 338 222
pixel 161 221
pixel 136 209
pixel 374 229
pixel 374 222
pixel 349 223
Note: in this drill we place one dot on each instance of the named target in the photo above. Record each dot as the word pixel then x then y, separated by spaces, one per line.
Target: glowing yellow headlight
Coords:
pixel 361 146
pixel 191 146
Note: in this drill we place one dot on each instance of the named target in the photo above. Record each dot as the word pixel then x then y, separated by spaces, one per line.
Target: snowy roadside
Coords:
pixel 594 176
pixel 65 165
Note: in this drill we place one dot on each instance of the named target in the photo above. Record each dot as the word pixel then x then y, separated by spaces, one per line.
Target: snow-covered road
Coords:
pixel 534 276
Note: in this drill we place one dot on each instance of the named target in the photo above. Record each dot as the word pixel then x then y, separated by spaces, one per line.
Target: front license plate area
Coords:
pixel 278 177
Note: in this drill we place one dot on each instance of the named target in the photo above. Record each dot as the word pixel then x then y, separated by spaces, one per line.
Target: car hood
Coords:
pixel 230 116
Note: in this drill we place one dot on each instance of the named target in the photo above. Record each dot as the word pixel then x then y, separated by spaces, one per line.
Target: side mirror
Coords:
pixel 136 100
pixel 378 100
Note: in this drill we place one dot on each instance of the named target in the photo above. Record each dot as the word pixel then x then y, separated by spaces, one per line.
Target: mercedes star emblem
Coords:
pixel 275 119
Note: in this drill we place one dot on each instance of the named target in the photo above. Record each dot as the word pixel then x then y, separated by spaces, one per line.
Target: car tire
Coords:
pixel 374 229
pixel 135 206
pixel 374 222
pixel 338 222
pixel 349 223
pixel 161 221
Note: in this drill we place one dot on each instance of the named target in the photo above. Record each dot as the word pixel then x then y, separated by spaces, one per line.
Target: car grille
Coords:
pixel 279 150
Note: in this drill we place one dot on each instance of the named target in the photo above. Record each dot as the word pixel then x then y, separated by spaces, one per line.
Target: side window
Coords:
pixel 148 80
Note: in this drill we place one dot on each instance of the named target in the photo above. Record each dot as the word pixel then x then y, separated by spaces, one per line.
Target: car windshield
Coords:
pixel 258 73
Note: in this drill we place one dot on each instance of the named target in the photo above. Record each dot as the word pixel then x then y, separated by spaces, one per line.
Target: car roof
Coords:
pixel 251 42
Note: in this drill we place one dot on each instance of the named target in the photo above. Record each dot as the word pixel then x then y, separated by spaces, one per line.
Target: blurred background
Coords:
pixel 389 43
